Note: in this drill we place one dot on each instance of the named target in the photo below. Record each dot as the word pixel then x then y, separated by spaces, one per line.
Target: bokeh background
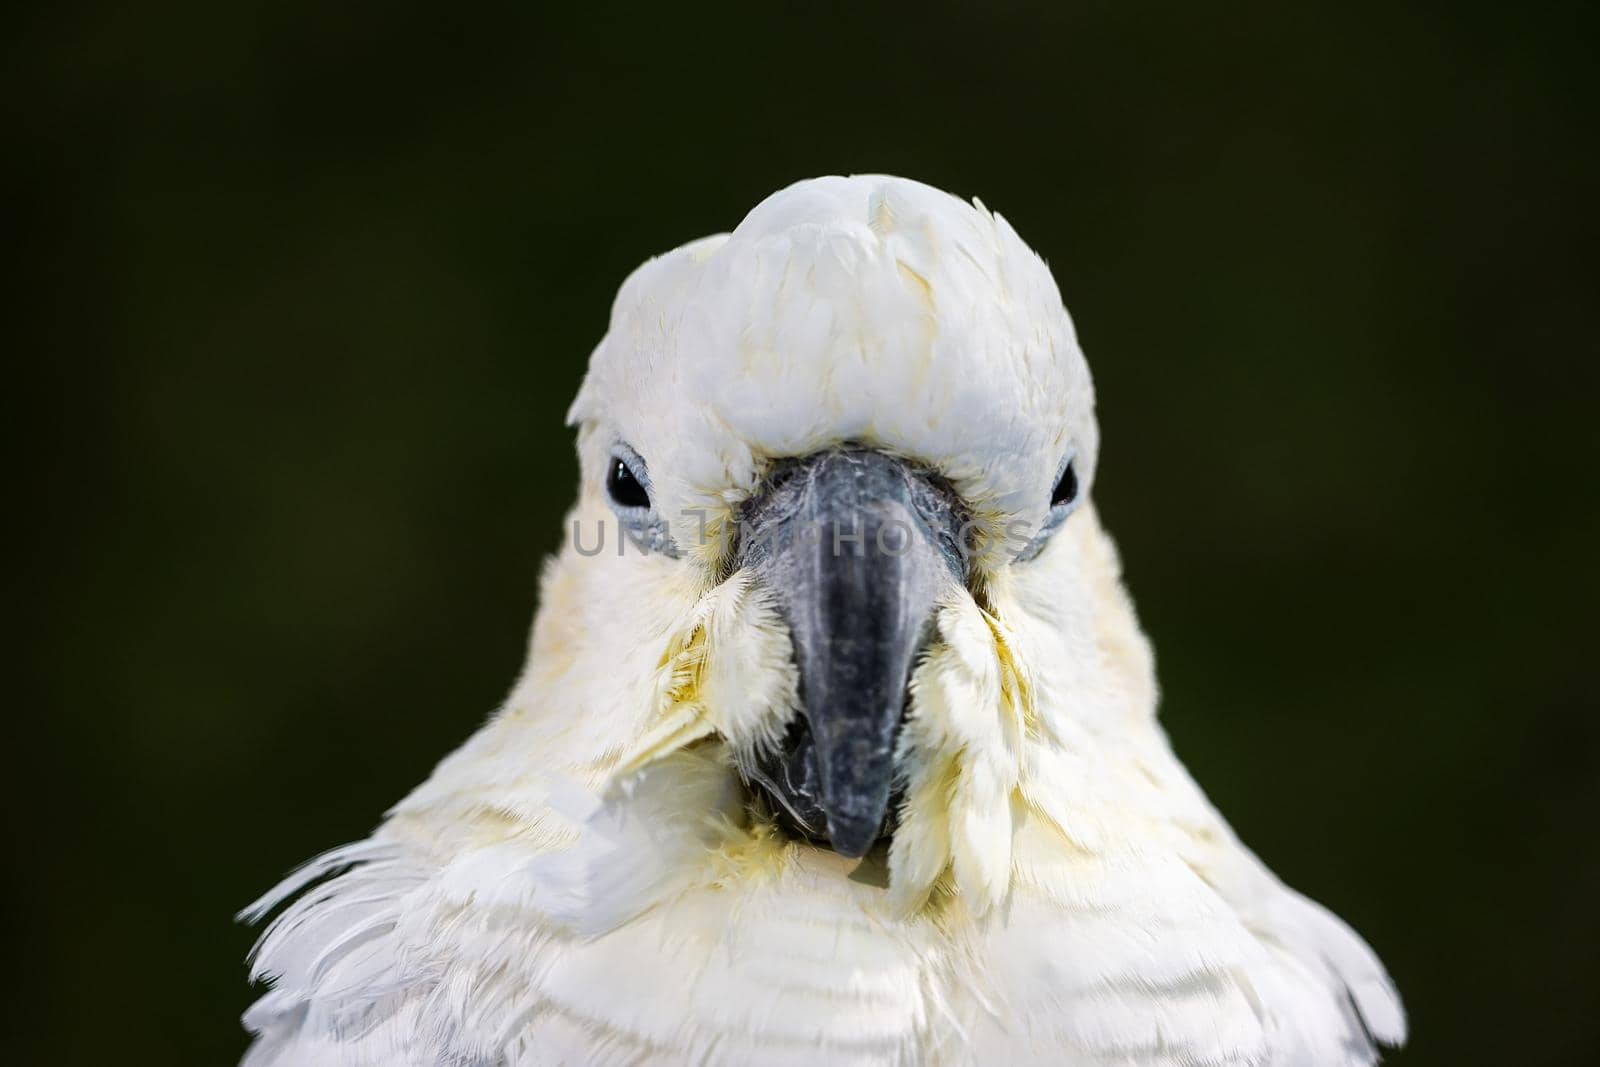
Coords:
pixel 306 289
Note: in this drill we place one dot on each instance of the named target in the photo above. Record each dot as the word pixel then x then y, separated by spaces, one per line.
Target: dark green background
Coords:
pixel 307 288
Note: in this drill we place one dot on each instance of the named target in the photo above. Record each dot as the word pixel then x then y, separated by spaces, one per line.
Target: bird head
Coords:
pixel 836 740
pixel 833 538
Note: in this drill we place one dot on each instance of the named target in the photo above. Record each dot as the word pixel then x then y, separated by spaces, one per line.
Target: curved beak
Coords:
pixel 858 548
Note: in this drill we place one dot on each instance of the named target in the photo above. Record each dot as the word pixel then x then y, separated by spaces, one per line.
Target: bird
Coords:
pixel 836 740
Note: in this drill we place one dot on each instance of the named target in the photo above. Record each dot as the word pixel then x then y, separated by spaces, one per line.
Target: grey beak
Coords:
pixel 857 547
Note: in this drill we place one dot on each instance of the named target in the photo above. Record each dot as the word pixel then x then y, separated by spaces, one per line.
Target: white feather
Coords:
pixel 583 881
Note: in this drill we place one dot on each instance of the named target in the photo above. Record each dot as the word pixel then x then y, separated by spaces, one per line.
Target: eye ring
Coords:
pixel 626 488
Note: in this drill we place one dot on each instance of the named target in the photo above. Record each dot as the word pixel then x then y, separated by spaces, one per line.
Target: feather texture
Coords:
pixel 587 881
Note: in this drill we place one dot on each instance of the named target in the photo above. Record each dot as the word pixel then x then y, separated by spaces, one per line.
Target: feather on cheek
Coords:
pixel 962 758
pixel 729 670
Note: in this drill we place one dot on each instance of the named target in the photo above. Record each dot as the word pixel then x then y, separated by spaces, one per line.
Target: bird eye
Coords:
pixel 1066 491
pixel 626 490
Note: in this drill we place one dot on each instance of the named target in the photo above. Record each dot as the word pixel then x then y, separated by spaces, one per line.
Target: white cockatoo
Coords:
pixel 836 742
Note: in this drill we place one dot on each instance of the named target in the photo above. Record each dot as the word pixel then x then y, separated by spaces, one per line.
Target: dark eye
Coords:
pixel 1066 490
pixel 626 490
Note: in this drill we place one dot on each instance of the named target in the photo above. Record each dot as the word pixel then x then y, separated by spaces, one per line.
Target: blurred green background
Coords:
pixel 307 288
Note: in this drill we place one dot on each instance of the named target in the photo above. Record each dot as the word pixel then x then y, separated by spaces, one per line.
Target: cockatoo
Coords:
pixel 836 741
